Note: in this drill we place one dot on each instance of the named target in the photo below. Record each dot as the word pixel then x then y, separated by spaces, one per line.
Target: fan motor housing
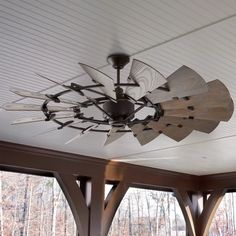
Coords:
pixel 119 110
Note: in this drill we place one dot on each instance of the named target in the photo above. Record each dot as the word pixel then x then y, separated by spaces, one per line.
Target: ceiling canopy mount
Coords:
pixel 118 60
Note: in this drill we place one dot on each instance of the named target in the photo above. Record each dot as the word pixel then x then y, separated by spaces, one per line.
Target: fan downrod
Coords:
pixel 118 60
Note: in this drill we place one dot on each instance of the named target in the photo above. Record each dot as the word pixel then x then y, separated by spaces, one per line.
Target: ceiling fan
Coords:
pixel 181 103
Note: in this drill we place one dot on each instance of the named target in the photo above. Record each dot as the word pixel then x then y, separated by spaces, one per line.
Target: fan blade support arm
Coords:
pixel 83 132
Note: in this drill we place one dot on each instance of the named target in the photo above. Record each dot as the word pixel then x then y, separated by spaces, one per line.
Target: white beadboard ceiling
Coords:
pixel 51 37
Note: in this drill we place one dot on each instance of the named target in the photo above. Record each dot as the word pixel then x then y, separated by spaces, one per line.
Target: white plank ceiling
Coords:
pixel 51 37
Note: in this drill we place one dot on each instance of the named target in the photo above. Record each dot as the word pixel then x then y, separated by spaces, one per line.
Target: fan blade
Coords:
pixel 212 113
pixel 85 131
pixel 26 93
pixel 108 85
pixel 137 128
pixel 206 126
pixel 56 128
pixel 37 95
pixel 40 118
pixel 217 96
pixel 113 135
pixel 32 107
pixel 174 132
pixel 53 81
pixel 143 134
pixel 182 83
pixel 147 77
pixel 28 120
pixel 146 136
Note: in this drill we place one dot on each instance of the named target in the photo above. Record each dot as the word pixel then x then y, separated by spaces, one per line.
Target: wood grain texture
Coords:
pixel 177 133
pixel 183 82
pixel 146 76
pixel 108 84
pixel 213 113
pixel 206 126
pixel 216 96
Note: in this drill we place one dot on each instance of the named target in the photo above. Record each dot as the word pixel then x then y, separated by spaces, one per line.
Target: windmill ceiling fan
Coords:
pixel 181 103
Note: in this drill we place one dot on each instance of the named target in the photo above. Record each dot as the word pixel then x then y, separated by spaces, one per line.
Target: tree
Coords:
pixel 26 207
pixel 1 207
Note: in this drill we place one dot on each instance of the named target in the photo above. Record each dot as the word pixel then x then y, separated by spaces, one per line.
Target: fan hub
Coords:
pixel 119 110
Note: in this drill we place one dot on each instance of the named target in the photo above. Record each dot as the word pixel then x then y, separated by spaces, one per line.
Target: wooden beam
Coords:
pixel 210 207
pixel 96 207
pixel 116 196
pixel 76 202
pixel 38 160
pixel 187 208
pixel 217 181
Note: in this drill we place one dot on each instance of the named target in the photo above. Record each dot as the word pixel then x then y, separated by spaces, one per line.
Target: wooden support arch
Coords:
pixel 209 209
pixel 93 214
pixel 187 208
pixel 198 222
pixel 113 201
pixel 94 218
pixel 76 201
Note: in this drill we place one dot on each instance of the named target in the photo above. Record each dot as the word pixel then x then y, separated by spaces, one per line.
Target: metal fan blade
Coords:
pixel 53 81
pixel 29 94
pixel 143 134
pixel 56 128
pixel 174 132
pixel 182 83
pixel 113 135
pixel 37 95
pixel 212 113
pixel 147 77
pixel 28 120
pixel 32 107
pixel 85 131
pixel 206 126
pixel 217 96
pixel 108 84
pixel 40 118
pixel 146 136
